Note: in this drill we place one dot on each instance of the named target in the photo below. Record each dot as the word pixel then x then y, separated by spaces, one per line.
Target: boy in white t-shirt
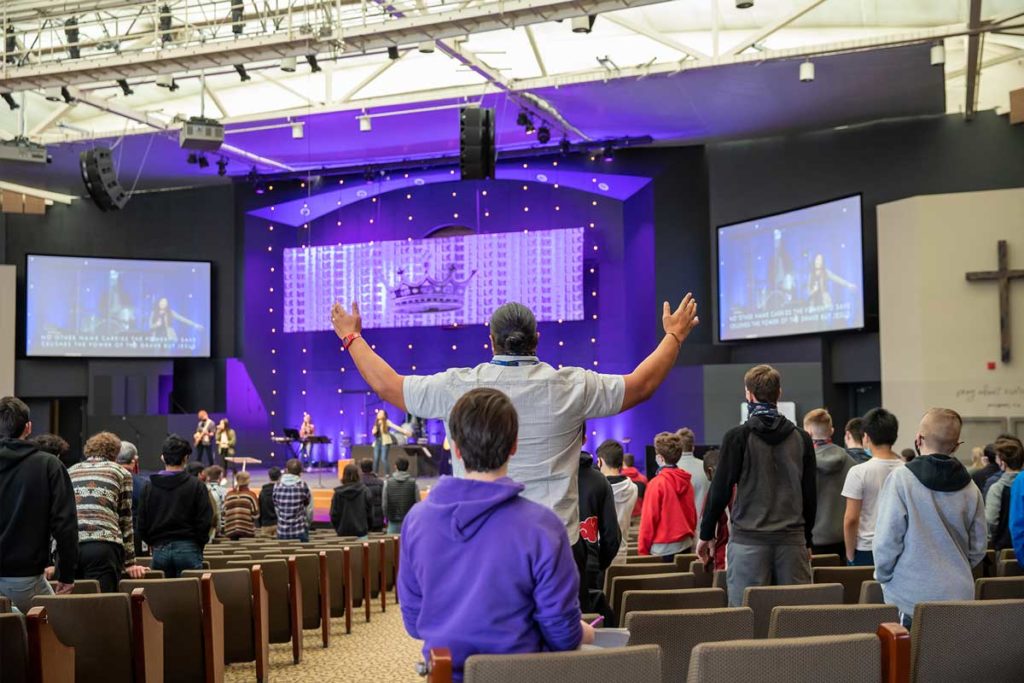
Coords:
pixel 864 483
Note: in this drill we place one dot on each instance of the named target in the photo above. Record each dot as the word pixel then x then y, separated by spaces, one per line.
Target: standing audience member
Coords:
pixel 548 448
pixel 175 513
pixel 54 445
pixel 1010 456
pixel 907 454
pixel 241 509
pixel 771 463
pixel 864 485
pixel 637 477
pixel 128 458
pixel 599 529
pixel 213 477
pixel 624 491
pixel 352 510
pixel 722 535
pixel 268 515
pixel 1016 519
pixel 977 460
pixel 37 503
pixel 399 494
pixel 483 569
pixel 375 487
pixel 930 531
pixel 833 463
pixel 103 496
pixel 689 463
pixel 854 438
pixel 997 475
pixel 293 503
pixel 669 520
pixel 989 467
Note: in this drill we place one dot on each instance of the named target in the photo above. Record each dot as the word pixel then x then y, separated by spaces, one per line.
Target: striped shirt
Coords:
pixel 291 500
pixel 103 495
pixel 240 513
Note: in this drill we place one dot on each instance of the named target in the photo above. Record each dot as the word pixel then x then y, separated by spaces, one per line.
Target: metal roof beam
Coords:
pixel 758 36
pixel 973 59
pixel 655 36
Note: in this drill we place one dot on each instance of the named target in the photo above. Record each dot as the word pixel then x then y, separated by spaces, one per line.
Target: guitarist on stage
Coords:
pixel 203 439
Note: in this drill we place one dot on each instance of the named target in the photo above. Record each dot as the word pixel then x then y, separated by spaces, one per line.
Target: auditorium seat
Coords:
pixel 939 651
pixel 14 667
pixel 282 595
pixel 390 568
pixel 221 561
pixel 679 631
pixel 791 621
pixel 836 659
pixel 999 588
pixel 617 570
pixel 763 599
pixel 871 594
pixel 360 581
pixel 1007 554
pixel 152 574
pixel 81 587
pixel 644 582
pixel 684 560
pixel 193 622
pixel 640 664
pixel 1009 568
pixel 686 598
pixel 339 569
pixel 701 578
pixel 850 577
pixel 5 605
pixel 831 560
pixel 100 629
pixel 315 592
pixel 644 559
pixel 720 580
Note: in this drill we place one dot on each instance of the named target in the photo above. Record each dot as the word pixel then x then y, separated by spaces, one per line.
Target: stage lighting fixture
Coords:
pixel 166 81
pixel 608 153
pixel 165 24
pixel 9 100
pixel 288 64
pixel 298 130
pixel 237 12
pixel 530 130
pixel 583 24
pixel 565 147
pixel 523 118
pixel 393 52
pixel 426 47
pixel 52 94
pixel 66 94
pixel 192 158
pixel 71 35
pixel 543 135
pixel 365 124
pixel 744 4
pixel 222 166
pixel 125 88
pixel 10 45
pixel 242 73
pixel 938 54
pixel 313 66
pixel 203 161
pixel 806 72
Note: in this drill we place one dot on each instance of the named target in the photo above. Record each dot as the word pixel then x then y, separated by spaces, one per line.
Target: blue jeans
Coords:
pixel 906 620
pixel 862 558
pixel 21 589
pixel 394 527
pixel 175 557
pixel 380 456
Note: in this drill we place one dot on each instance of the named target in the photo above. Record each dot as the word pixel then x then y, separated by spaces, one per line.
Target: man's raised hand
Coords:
pixel 681 321
pixel 346 323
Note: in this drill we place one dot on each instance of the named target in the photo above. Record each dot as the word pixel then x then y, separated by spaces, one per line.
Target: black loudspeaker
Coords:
pixel 101 180
pixel 476 143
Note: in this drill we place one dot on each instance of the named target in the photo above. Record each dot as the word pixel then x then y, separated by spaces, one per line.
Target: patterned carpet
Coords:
pixel 374 652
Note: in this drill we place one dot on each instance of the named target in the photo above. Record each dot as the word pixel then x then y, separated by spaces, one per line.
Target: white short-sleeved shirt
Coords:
pixel 552 406
pixel 864 483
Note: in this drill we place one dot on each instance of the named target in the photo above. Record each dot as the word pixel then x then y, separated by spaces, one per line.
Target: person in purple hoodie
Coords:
pixel 483 570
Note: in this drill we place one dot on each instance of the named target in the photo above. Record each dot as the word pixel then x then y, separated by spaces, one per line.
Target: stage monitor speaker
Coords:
pixel 101 180
pixel 476 143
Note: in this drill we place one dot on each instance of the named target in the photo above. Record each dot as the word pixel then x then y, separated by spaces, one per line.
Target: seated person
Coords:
pixel 483 570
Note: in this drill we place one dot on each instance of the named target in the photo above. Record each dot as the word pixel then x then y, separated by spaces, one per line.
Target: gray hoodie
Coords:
pixel 833 463
pixel 929 534
pixel 625 493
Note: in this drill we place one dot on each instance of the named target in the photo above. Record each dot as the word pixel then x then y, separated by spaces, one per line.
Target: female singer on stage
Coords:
pixel 161 320
pixel 382 440
pixel 226 440
pixel 818 283
pixel 306 430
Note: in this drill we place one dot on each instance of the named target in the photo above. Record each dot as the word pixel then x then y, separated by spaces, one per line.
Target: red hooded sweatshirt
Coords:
pixel 669 514
pixel 633 474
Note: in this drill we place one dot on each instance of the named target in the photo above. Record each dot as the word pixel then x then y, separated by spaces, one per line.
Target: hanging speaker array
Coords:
pixel 476 143
pixel 101 180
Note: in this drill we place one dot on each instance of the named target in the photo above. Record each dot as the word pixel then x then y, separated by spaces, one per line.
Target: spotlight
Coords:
pixel 365 124
pixel 71 34
pixel 66 94
pixel 938 54
pixel 222 166
pixel 9 100
pixel 608 153
pixel 529 128
pixel 583 24
pixel 192 158
pixel 242 73
pixel 237 12
pixel 288 64
pixel 426 47
pixel 166 81
pixel 806 72
pixel 10 45
pixel 744 4
pixel 393 52
pixel 53 94
pixel 313 66
pixel 298 130
pixel 565 147
pixel 125 88
pixel 165 24
pixel 543 135
pixel 203 161
pixel 523 118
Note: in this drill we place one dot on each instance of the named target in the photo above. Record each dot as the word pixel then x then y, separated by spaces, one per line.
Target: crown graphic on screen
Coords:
pixel 430 294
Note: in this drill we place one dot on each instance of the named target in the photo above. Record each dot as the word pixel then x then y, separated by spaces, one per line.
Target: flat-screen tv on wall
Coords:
pixel 116 308
pixel 798 272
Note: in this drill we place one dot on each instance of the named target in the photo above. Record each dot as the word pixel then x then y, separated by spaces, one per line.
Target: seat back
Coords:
pixel 1009 568
pixel 850 577
pixel 99 628
pixel 336 572
pixel 937 641
pixel 234 588
pixel 275 575
pixel 763 599
pixel 616 570
pixel 644 559
pixel 684 560
pixel 375 566
pixel 678 631
pixel 686 598
pixel 14 666
pixel 836 659
pixel 221 562
pixel 309 574
pixel 720 580
pixel 792 621
pixel 81 587
pixel 999 588
pixel 647 582
pixel 871 593
pixel 701 578
pixel 177 603
pixel 829 560
pixel 390 543
pixel 623 665
pixel 1007 554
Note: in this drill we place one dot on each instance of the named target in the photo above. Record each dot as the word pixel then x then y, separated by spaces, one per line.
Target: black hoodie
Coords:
pixel 175 506
pixel 351 510
pixel 599 525
pixel 37 502
pixel 771 463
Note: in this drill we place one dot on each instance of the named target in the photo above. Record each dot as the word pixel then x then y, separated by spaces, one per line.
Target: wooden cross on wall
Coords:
pixel 1004 275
